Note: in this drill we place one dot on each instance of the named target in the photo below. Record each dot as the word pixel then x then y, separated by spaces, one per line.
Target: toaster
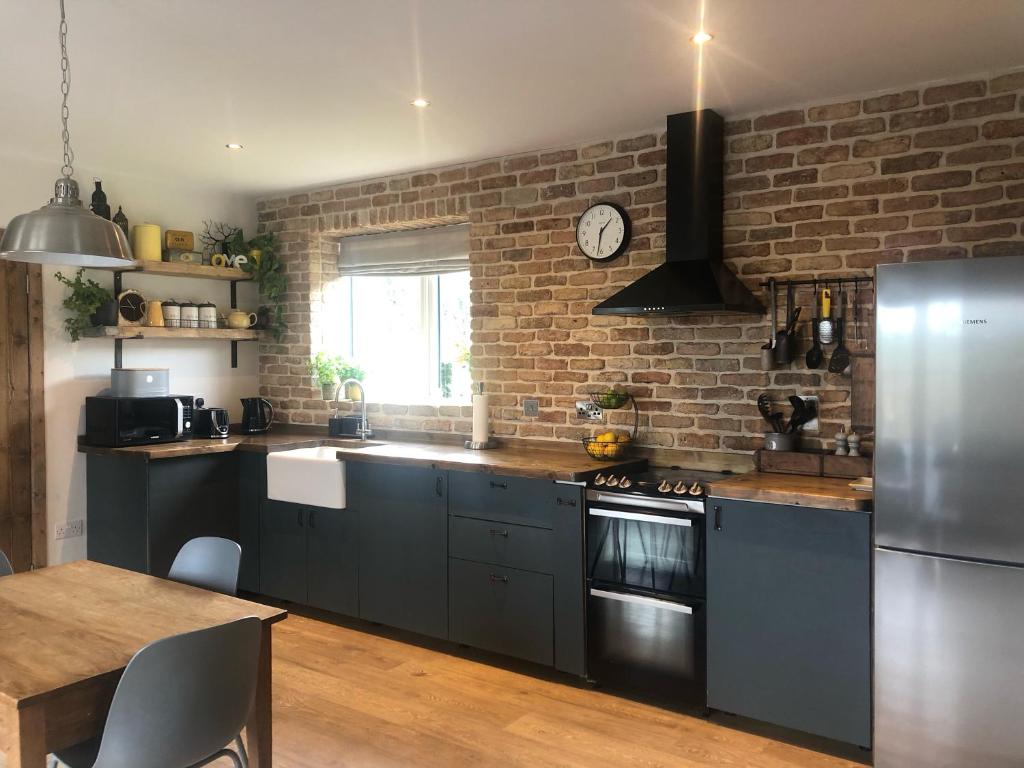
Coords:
pixel 209 422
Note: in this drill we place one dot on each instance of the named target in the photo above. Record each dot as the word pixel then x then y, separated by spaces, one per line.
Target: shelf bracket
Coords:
pixel 234 305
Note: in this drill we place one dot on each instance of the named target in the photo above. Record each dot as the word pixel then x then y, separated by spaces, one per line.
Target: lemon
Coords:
pixel 606 437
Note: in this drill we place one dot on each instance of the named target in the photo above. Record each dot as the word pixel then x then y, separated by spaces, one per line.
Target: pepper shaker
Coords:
pixel 853 439
pixel 841 442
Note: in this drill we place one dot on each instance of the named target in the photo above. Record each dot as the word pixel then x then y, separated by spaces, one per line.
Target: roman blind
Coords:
pixel 431 251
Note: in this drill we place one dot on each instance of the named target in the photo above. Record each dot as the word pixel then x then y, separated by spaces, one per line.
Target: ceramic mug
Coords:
pixel 238 319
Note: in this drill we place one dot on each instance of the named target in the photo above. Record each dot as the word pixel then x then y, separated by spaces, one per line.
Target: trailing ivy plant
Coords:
pixel 266 267
pixel 85 298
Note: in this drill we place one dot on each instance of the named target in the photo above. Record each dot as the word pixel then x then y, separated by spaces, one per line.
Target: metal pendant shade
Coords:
pixel 63 232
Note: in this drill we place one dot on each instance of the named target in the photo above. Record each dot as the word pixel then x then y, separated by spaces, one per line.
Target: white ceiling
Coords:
pixel 319 90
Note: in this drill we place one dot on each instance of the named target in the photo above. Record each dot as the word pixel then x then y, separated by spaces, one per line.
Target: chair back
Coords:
pixel 208 562
pixel 183 698
pixel 6 569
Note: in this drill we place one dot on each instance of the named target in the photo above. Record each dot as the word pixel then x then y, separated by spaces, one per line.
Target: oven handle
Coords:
pixel 619 515
pixel 624 597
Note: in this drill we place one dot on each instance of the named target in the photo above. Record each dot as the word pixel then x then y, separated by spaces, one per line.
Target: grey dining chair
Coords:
pixel 208 562
pixel 179 703
pixel 6 569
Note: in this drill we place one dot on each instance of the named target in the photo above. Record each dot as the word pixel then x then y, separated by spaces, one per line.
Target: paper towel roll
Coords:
pixel 481 419
pixel 146 242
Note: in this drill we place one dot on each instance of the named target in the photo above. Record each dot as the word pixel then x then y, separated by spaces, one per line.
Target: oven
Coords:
pixel 646 630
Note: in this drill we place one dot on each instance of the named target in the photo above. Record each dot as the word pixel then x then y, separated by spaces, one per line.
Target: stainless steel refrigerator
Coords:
pixel 949 515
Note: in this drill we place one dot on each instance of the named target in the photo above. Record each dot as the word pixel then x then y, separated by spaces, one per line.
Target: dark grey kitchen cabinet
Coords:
pixel 403 545
pixel 141 512
pixel 789 616
pixel 516 568
pixel 332 557
pixel 283 550
pixel 503 610
pixel 309 555
pixel 252 489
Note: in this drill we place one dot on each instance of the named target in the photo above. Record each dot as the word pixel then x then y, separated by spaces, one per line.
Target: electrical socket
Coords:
pixel 531 408
pixel 589 411
pixel 812 425
pixel 70 529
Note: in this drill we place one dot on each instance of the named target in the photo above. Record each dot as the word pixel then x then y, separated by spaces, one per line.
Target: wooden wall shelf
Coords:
pixel 178 269
pixel 186 269
pixel 148 332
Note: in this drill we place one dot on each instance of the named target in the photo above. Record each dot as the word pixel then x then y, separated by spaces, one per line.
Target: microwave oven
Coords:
pixel 119 422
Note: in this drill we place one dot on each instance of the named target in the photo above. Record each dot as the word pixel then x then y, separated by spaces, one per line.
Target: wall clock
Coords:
pixel 131 308
pixel 603 231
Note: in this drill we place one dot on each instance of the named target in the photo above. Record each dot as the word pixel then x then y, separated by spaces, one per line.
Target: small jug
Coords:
pixel 154 314
pixel 239 320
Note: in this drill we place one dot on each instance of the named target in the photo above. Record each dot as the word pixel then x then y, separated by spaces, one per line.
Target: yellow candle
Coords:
pixel 146 242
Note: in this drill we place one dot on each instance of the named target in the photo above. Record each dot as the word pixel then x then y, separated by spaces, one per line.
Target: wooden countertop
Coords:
pixel 556 463
pixel 798 490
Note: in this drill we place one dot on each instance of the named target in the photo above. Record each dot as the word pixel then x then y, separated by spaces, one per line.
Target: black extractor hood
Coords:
pixel 693 280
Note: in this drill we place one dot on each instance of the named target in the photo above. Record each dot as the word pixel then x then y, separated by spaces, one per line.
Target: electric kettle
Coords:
pixel 257 415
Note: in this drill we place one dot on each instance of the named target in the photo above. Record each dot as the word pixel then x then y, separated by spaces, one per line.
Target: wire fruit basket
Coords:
pixel 611 445
pixel 607 450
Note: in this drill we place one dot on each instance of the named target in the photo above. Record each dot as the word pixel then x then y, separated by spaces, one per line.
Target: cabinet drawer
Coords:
pixel 517 546
pixel 503 610
pixel 520 500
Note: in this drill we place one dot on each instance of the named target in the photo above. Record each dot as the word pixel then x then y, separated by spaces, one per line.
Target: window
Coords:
pixel 400 311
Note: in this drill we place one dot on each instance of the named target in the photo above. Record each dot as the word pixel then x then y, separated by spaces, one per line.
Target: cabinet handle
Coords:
pixel 496 532
pixel 298 514
pixel 439 486
pixel 312 519
pixel 495 578
pixel 718 517
pixel 566 502
pixel 496 484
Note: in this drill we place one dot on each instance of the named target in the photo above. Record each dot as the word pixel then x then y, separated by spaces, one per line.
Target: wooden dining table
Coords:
pixel 68 631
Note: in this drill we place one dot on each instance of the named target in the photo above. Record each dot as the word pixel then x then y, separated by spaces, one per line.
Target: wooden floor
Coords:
pixel 348 697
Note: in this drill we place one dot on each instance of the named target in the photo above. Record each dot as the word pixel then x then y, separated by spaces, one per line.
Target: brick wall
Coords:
pixel 822 191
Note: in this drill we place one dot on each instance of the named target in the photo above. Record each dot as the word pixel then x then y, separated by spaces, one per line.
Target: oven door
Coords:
pixel 648 647
pixel 645 550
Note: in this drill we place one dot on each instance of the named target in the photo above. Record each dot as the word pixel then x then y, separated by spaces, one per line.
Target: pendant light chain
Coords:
pixel 65 89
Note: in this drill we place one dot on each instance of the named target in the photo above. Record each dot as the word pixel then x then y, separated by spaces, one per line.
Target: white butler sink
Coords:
pixel 307 476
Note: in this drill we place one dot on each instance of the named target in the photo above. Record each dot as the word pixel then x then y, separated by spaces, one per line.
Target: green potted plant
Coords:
pixel 347 370
pixel 324 370
pixel 89 303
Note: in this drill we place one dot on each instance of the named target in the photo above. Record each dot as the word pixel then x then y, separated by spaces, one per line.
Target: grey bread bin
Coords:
pixel 139 382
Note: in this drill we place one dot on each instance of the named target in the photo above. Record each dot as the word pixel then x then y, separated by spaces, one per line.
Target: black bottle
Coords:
pixel 121 220
pixel 99 202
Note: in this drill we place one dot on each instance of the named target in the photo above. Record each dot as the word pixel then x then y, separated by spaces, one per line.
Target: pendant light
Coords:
pixel 63 232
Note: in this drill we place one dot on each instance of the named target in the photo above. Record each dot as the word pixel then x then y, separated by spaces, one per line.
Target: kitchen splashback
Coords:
pixel 830 189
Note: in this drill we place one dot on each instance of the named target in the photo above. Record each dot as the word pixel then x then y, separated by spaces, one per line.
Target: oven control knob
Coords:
pixel 696 489
pixel 613 481
pixel 600 479
pixel 625 483
pixel 665 487
pixel 679 488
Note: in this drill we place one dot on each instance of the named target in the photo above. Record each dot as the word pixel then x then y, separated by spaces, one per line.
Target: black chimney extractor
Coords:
pixel 693 279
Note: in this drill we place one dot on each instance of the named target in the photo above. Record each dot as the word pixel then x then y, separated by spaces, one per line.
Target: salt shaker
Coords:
pixel 841 442
pixel 853 439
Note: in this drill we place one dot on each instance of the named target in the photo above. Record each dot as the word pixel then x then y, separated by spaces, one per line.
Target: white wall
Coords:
pixel 74 370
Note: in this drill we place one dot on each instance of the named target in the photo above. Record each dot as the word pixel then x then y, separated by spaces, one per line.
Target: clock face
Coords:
pixel 132 306
pixel 603 231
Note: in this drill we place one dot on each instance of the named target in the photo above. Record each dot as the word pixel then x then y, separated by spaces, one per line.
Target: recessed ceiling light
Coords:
pixel 701 37
pixel 233 146
pixel 420 102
